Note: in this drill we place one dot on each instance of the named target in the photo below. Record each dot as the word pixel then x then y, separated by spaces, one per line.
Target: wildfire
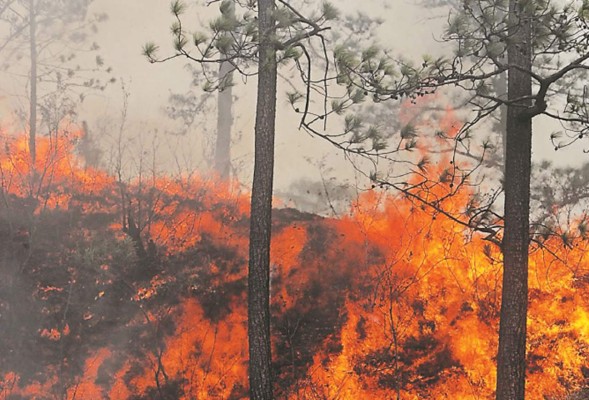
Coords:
pixel 389 302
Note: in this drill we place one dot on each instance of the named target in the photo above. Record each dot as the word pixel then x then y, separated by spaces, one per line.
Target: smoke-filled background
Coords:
pixel 161 110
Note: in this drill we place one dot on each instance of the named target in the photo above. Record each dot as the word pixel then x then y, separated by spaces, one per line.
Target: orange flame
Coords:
pixel 391 301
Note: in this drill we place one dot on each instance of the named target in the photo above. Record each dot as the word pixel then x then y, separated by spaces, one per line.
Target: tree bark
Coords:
pixel 260 357
pixel 33 77
pixel 511 357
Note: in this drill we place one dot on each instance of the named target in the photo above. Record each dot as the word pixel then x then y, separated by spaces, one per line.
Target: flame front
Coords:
pixel 389 302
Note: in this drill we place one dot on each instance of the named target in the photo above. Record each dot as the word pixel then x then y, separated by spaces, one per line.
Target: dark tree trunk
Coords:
pixel 260 357
pixel 511 358
pixel 33 77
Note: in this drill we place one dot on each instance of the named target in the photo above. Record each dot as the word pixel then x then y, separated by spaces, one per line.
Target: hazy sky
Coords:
pixel 407 29
pixel 133 22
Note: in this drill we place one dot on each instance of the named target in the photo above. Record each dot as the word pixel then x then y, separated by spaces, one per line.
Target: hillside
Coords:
pixel 137 291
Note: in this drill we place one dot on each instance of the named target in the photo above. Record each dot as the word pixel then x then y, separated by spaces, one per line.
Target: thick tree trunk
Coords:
pixel 33 93
pixel 260 372
pixel 224 122
pixel 511 358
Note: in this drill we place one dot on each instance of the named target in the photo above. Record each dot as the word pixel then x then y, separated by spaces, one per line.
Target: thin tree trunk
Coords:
pixel 501 90
pixel 511 358
pixel 224 115
pixel 33 77
pixel 260 357
pixel 224 122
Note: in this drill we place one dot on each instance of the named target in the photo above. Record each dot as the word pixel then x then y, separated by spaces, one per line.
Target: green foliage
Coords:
pixel 284 18
pixel 180 43
pixel 291 53
pixel 337 106
pixel 457 25
pixel 410 145
pixel 223 24
pixel 408 132
pixel 352 123
pixel 345 58
pixel 177 7
pixel 227 7
pixel 423 164
pixel 224 43
pixel 357 138
pixel 329 11
pixel 199 38
pixel 294 97
pixel 250 30
pixel 357 96
pixel 370 53
pixel 176 28
pixel 234 33
pixel 379 144
pixel 149 50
